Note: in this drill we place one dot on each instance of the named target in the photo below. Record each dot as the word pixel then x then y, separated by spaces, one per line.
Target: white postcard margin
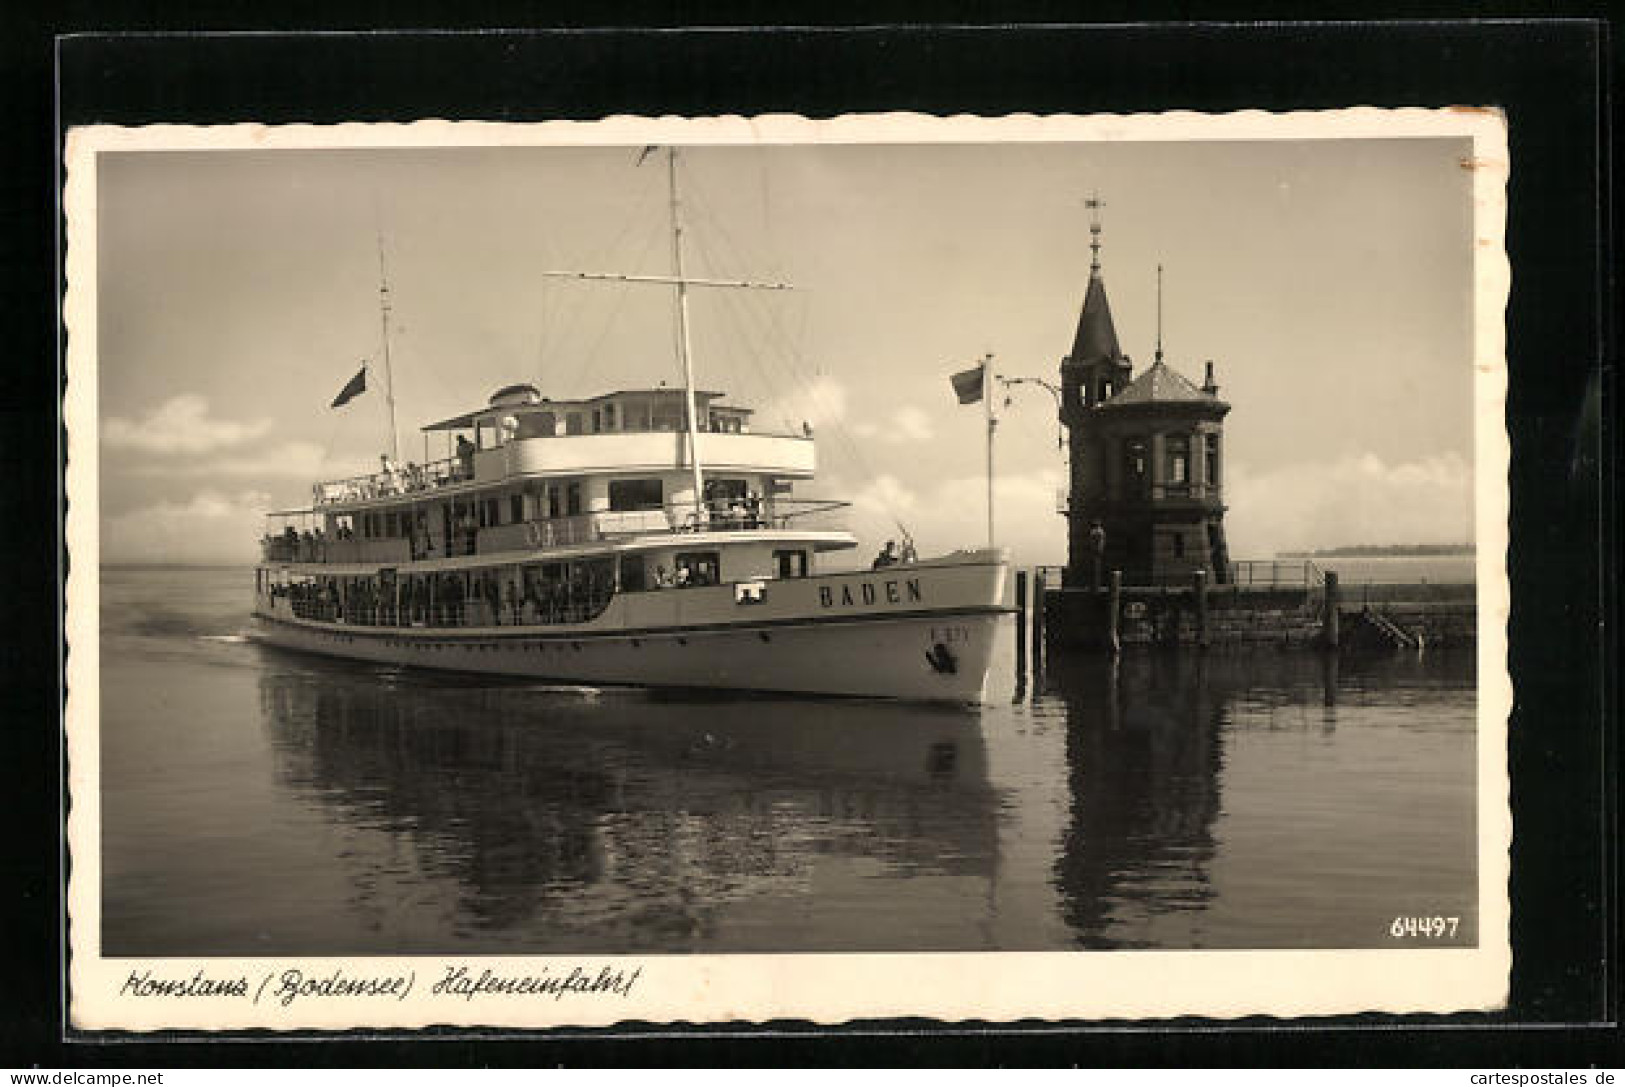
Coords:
pixel 384 993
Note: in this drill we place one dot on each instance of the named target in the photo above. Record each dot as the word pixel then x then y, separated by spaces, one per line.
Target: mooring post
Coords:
pixel 1021 624
pixel 1035 639
pixel 1333 598
pixel 1114 605
pixel 1199 590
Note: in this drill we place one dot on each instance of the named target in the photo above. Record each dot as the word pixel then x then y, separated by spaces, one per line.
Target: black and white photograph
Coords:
pixel 727 569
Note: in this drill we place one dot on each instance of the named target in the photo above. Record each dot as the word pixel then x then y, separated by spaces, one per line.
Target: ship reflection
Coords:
pixel 622 820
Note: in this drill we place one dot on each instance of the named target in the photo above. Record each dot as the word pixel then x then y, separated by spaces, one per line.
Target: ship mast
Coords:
pixel 683 344
pixel 389 371
pixel 685 347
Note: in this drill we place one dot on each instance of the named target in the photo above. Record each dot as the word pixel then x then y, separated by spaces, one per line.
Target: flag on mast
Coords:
pixel 352 388
pixel 968 384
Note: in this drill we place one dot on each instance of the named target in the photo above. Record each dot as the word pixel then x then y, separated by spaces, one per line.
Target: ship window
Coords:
pixel 536 424
pixel 633 578
pixel 572 499
pixel 1212 460
pixel 609 416
pixel 552 501
pixel 635 494
pixel 1179 545
pixel 698 568
pixel 573 423
pixel 516 508
pixel 597 420
pixel 790 563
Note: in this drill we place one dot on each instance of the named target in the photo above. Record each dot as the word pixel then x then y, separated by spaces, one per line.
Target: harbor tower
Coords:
pixel 1146 456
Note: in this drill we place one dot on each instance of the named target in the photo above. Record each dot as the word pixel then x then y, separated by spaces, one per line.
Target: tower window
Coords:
pixel 1134 465
pixel 1212 460
pixel 1179 459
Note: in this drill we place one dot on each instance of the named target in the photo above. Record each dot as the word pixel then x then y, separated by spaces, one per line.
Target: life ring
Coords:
pixel 533 533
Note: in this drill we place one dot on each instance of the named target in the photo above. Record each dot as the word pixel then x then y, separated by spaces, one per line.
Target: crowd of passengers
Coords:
pixel 392 478
pixel 488 600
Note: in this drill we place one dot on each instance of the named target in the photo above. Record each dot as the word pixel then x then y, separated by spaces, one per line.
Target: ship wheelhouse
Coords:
pixel 541 511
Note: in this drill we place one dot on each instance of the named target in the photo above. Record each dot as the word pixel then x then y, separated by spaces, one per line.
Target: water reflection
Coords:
pixel 1144 761
pixel 623 820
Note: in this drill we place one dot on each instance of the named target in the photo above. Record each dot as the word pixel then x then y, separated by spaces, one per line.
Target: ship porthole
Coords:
pixel 764 635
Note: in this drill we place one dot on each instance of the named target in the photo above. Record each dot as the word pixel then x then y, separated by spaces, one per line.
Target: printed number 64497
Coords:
pixel 1423 928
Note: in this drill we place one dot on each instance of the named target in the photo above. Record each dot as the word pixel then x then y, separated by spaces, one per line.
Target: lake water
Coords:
pixel 260 802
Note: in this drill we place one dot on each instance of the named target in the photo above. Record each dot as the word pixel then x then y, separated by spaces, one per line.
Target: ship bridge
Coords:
pixel 521 434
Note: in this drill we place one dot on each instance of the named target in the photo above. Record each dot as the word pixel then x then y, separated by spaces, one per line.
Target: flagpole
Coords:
pixel 987 402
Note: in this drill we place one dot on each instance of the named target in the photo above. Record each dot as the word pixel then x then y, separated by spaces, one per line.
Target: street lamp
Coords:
pixel 1053 389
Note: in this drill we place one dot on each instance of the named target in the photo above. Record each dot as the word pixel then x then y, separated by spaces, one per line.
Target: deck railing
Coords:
pixel 542 534
pixel 407 479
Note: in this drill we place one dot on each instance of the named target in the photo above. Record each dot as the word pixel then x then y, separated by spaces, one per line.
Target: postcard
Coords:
pixel 742 569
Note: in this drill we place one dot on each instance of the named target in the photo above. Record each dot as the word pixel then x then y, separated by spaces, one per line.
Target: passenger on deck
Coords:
pixel 887 556
pixel 662 578
pixel 465 457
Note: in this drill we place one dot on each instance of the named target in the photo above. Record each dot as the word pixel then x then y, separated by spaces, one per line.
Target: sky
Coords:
pixel 1330 281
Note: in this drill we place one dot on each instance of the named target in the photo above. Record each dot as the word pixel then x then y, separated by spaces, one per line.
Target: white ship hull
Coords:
pixel 925 631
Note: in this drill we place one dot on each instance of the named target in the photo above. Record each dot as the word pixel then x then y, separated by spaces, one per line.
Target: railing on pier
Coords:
pixel 1248 573
pixel 1275 574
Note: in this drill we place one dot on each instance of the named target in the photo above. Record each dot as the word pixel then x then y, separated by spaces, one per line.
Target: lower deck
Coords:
pixel 918 631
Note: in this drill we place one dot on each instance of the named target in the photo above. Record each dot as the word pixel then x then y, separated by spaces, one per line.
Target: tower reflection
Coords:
pixel 1144 759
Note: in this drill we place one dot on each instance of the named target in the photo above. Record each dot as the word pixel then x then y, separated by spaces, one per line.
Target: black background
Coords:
pixel 1552 77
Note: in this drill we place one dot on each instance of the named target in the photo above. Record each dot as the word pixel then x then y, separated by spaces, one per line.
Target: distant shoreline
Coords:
pixel 1377 551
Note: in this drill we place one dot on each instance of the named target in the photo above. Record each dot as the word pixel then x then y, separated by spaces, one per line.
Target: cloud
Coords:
pixel 1352 500
pixel 820 402
pixel 180 425
pixel 303 460
pixel 951 513
pixel 908 425
pixel 211 527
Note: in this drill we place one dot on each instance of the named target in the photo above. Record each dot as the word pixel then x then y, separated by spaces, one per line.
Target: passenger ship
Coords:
pixel 642 537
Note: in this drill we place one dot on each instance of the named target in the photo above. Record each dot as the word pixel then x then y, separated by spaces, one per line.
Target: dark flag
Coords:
pixel 968 384
pixel 352 389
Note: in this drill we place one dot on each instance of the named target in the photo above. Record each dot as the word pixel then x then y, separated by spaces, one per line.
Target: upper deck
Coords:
pixel 521 435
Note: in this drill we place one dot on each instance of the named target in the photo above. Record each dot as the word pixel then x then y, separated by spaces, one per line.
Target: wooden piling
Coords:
pixel 1114 606
pixel 1199 591
pixel 1330 632
pixel 1021 624
pixel 1035 638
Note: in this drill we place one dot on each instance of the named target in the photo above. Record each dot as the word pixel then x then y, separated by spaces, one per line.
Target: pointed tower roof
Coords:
pixel 1162 384
pixel 1096 338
